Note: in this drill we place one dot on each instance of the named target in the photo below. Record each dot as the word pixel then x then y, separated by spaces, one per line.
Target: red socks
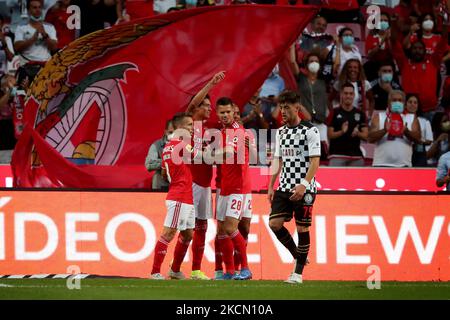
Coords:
pixel 240 245
pixel 226 246
pixel 160 253
pixel 198 243
pixel 179 253
pixel 218 251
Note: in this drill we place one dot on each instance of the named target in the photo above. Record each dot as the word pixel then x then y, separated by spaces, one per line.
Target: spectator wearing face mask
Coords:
pixel 377 47
pixel 420 148
pixel 425 33
pixel 441 129
pixel 394 132
pixel 383 86
pixel 313 95
pixel 344 49
pixel 419 71
pixel 153 160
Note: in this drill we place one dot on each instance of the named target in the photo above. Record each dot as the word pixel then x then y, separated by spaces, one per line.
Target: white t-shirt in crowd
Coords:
pixel 3 58
pixel 162 6
pixel 346 55
pixel 38 51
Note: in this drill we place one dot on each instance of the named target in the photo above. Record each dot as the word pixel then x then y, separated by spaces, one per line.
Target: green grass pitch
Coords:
pixel 110 288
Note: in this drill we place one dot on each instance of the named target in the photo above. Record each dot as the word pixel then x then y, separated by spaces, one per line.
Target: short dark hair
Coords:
pixel 384 13
pixel 206 97
pixel 289 97
pixel 29 3
pixel 386 63
pixel 347 85
pixel 224 101
pixel 178 119
pixel 313 53
pixel 341 32
pixel 319 17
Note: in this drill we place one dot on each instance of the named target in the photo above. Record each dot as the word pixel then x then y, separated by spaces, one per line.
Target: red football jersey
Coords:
pixel 430 43
pixel 234 176
pixel 202 172
pixel 178 172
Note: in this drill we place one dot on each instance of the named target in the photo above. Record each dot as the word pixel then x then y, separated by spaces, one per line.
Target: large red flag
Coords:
pixel 97 105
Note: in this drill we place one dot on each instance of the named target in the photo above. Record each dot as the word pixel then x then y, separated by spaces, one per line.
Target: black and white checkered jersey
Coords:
pixel 295 145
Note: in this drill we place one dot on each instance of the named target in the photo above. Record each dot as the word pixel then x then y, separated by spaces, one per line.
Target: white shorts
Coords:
pixel 234 205
pixel 179 216
pixel 202 202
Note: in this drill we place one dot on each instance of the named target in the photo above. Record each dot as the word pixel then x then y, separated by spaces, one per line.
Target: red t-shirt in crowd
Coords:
pixel 234 175
pixel 373 41
pixel 58 18
pixel 178 172
pixel 421 77
pixel 431 42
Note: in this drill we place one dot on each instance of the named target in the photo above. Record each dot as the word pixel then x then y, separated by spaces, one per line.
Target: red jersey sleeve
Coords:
pixel 399 54
pixel 440 51
pixel 371 42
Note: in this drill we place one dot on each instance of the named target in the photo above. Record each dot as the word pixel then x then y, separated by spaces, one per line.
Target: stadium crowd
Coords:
pixel 379 93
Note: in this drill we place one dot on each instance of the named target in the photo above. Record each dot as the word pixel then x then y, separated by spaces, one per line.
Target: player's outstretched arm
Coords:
pixel 200 96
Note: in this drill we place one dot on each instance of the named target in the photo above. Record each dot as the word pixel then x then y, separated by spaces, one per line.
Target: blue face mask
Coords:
pixel 38 19
pixel 13 92
pixel 397 107
pixel 348 40
pixel 386 77
pixel 384 25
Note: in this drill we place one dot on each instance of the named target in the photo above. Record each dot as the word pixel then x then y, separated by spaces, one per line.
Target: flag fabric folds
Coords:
pixel 95 108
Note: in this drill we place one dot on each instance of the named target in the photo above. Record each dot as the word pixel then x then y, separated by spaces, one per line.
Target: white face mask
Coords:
pixel 314 67
pixel 428 25
pixel 170 136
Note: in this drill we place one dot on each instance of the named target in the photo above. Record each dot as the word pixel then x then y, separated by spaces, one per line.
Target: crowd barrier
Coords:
pixel 354 236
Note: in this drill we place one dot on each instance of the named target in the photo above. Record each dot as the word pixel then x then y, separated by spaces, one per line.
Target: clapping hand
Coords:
pixel 344 127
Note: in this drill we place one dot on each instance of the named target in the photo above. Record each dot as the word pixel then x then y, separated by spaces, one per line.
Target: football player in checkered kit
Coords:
pixel 296 157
